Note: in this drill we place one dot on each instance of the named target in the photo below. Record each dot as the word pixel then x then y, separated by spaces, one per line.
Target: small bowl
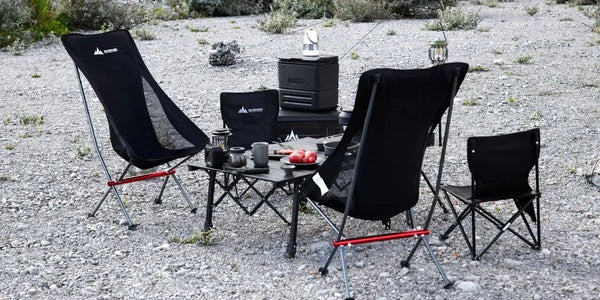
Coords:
pixel 329 147
pixel 288 169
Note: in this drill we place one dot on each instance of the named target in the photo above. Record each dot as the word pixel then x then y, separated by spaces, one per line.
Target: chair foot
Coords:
pixel 157 201
pixel 405 264
pixel 443 237
pixel 194 210
pixel 350 298
pixel 132 227
pixel 449 284
pixel 323 271
pixel 91 215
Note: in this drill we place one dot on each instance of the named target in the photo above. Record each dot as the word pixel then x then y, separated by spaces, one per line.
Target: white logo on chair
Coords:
pixel 291 137
pixel 242 110
pixel 107 51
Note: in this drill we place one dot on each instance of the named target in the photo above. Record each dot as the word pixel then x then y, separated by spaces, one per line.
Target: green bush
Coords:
pixel 594 14
pixel 418 8
pixel 25 21
pixel 278 21
pixel 99 14
pixel 454 19
pixel 312 9
pixel 228 7
pixel 361 10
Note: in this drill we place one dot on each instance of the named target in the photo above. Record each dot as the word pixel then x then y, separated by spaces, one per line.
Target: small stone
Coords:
pixel 384 274
pixel 32 270
pixel 546 251
pixel 319 246
pixel 467 286
pixel 164 246
pixel 498 62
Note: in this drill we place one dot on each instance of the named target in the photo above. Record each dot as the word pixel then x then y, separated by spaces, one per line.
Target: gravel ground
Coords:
pixel 49 180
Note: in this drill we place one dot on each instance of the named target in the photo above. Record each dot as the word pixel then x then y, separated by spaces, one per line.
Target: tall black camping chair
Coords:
pixel 500 167
pixel 393 114
pixel 146 128
pixel 251 116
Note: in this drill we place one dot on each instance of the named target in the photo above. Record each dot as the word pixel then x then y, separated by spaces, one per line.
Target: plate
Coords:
pixel 286 160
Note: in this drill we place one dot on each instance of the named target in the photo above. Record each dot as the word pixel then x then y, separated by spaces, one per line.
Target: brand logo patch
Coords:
pixel 291 137
pixel 243 110
pixel 106 51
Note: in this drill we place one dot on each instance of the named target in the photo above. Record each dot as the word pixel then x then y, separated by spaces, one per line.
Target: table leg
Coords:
pixel 210 198
pixel 291 246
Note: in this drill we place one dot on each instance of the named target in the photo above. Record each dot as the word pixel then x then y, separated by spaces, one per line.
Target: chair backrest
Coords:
pixel 145 124
pixel 500 165
pixel 251 116
pixel 406 104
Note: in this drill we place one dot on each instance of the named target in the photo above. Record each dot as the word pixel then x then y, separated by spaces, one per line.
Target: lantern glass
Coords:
pixel 438 52
pixel 220 137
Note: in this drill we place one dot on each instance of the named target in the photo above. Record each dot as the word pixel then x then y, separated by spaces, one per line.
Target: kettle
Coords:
pixel 311 43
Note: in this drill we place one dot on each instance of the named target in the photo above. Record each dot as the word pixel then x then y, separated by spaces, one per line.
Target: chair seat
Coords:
pixel 464 193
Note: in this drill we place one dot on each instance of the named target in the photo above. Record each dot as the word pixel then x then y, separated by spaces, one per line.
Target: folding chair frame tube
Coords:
pixel 473 208
pixel 170 172
pixel 438 183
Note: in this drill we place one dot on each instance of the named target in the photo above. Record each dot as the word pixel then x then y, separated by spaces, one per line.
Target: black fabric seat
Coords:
pixel 146 128
pixel 251 116
pixel 500 167
pixel 393 116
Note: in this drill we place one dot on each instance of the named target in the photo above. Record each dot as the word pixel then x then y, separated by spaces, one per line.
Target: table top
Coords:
pixel 276 174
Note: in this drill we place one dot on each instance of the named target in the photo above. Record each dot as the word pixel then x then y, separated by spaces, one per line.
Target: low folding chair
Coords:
pixel 500 168
pixel 393 114
pixel 146 128
pixel 251 117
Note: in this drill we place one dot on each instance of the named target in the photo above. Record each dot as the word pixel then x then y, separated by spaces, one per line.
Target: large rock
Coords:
pixel 223 54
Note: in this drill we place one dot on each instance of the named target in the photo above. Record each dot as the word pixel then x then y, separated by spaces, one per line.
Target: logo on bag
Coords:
pixel 106 51
pixel 242 110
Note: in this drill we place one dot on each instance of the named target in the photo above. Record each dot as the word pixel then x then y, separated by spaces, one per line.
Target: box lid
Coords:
pixel 301 59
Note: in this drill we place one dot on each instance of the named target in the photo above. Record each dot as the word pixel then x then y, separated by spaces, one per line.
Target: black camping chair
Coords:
pixel 251 117
pixel 393 115
pixel 500 167
pixel 146 128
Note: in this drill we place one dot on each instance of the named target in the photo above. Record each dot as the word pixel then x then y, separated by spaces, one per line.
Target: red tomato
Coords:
pixel 312 159
pixel 305 160
pixel 296 157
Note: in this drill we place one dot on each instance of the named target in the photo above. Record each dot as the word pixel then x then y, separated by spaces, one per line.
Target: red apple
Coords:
pixel 311 154
pixel 296 157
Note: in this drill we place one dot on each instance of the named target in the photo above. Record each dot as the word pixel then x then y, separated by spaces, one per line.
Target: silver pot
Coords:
pixel 237 159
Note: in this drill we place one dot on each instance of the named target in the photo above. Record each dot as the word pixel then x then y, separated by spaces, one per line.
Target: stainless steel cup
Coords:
pixel 260 154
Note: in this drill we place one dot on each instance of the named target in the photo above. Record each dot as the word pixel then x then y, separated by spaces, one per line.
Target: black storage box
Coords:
pixel 292 124
pixel 308 82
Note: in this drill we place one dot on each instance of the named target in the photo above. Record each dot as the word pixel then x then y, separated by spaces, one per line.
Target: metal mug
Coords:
pixel 260 154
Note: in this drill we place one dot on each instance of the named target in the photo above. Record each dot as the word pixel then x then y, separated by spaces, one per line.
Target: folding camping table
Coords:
pixel 230 178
